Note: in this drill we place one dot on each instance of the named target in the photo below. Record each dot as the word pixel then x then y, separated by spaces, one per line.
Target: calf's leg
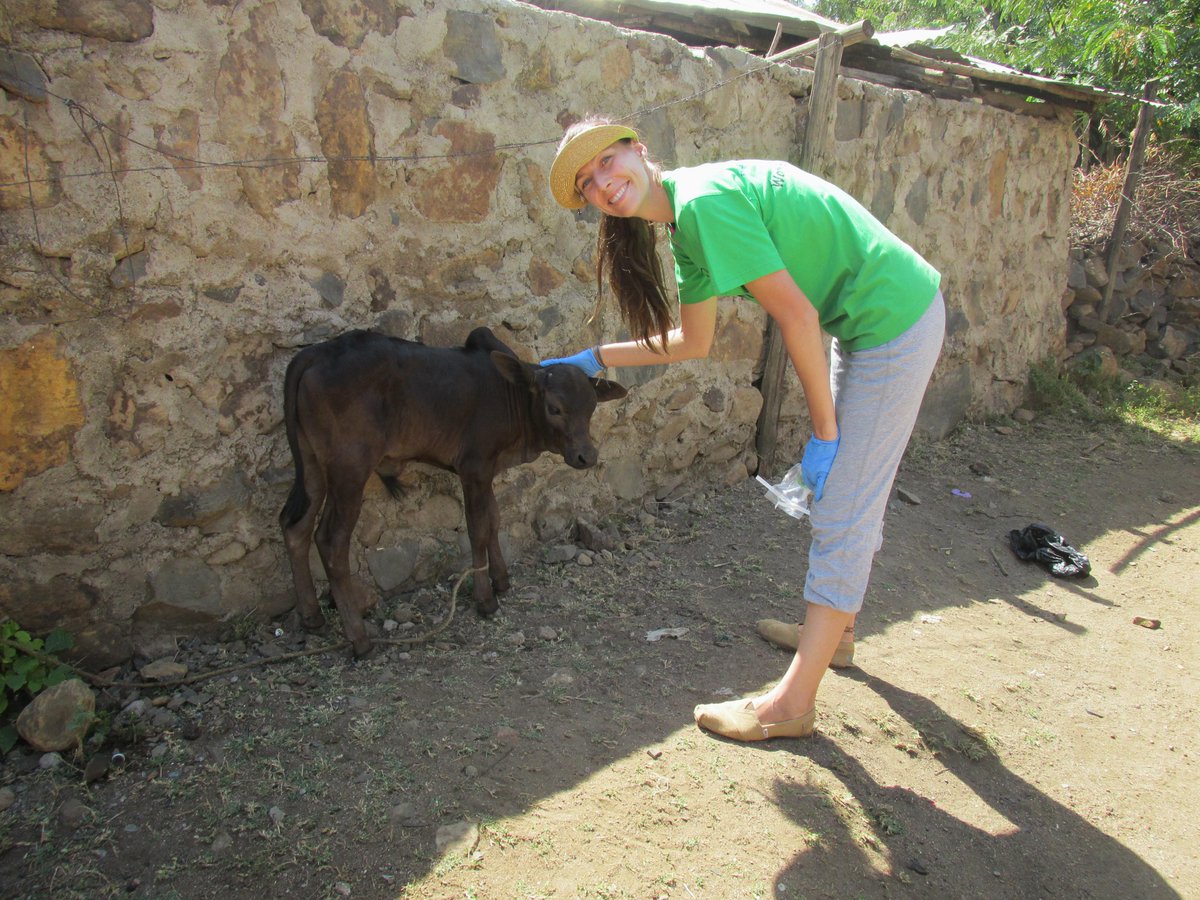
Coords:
pixel 298 519
pixel 480 507
pixel 342 507
pixel 497 567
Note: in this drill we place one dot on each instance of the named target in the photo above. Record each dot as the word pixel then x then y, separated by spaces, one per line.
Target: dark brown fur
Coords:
pixel 364 403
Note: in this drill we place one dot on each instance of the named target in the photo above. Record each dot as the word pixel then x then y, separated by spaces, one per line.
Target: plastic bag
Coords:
pixel 791 494
pixel 1045 545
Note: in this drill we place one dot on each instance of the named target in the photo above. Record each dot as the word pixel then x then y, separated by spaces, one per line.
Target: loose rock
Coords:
pixel 59 717
pixel 460 838
pixel 72 813
pixel 164 670
pixel 97 767
pixel 403 814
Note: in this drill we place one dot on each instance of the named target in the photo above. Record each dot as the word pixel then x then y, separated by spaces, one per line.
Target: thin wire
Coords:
pixel 79 122
pixel 271 162
pixel 78 109
pixel 37 231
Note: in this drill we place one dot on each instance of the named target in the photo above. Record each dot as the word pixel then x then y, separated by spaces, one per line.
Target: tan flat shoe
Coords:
pixel 738 720
pixel 787 635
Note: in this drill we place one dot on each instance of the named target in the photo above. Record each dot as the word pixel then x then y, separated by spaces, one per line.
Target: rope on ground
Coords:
pixel 266 660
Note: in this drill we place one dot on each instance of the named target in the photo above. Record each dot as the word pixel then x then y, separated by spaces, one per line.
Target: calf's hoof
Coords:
pixel 501 585
pixel 486 606
pixel 312 623
pixel 362 648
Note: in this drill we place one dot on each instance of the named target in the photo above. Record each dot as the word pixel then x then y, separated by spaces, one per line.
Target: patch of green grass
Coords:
pixel 889 724
pixel 1087 393
pixel 886 820
pixel 1173 414
pixel 1040 737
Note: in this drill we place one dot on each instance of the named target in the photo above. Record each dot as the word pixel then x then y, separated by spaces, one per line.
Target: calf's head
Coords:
pixel 562 402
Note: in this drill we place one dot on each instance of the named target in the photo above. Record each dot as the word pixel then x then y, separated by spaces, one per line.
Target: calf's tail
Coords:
pixel 298 500
pixel 392 483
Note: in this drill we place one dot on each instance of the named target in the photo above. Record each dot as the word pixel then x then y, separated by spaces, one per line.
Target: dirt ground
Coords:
pixel 1005 733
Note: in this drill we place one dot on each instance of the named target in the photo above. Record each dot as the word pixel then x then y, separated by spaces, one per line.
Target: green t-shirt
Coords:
pixel 737 221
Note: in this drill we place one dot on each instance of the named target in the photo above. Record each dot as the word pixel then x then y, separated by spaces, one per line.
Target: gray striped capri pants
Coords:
pixel 877 394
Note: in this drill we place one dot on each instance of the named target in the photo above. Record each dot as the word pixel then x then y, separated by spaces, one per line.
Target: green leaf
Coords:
pixel 59 640
pixel 58 676
pixel 25 665
pixel 8 738
pixel 34 683
pixel 15 681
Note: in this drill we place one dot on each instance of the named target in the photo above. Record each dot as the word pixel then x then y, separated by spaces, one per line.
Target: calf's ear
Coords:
pixel 608 390
pixel 509 366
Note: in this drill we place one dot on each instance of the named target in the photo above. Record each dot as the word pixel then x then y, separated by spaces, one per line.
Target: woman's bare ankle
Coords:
pixel 771 709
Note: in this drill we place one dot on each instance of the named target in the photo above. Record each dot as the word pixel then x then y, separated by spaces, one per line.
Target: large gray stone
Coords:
pixel 21 75
pixel 626 477
pixel 392 566
pixel 917 201
pixel 187 584
pixel 1175 342
pixel 205 507
pixel 66 527
pixel 472 44
pixel 347 24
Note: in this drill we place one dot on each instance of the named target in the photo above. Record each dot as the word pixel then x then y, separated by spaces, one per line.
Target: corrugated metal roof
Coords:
pixel 904 59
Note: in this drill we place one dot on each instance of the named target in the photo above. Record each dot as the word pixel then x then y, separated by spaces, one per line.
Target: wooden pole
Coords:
pixel 818 145
pixel 1133 174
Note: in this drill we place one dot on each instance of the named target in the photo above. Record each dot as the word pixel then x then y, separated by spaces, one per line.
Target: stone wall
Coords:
pixel 152 292
pixel 1150 321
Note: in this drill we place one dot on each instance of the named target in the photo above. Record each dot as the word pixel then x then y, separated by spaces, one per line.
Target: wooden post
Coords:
pixel 818 144
pixel 1133 174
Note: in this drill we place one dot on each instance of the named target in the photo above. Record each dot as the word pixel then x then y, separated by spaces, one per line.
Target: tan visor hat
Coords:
pixel 575 153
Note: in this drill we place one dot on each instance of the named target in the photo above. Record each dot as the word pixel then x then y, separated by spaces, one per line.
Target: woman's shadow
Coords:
pixel 1047 850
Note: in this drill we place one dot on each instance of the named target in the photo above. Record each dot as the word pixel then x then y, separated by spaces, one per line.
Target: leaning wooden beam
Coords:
pixel 802 22
pixel 818 145
pixel 851 34
pixel 1133 175
pixel 997 74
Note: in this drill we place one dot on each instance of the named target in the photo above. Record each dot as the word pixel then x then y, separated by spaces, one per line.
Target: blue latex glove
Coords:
pixel 584 359
pixel 816 463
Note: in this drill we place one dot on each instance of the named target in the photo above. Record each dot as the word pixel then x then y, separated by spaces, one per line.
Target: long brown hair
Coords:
pixel 627 251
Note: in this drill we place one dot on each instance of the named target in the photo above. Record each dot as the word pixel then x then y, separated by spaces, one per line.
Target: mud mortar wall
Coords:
pixel 151 298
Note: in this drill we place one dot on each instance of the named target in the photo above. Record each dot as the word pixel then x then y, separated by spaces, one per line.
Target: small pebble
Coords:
pixel 49 761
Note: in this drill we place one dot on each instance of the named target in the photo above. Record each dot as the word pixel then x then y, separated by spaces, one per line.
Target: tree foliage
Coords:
pixel 1113 44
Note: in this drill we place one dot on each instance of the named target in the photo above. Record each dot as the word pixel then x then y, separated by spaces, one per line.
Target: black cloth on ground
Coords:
pixel 1043 544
